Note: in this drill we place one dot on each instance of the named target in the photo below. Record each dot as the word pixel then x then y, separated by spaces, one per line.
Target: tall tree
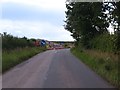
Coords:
pixel 85 20
pixel 116 16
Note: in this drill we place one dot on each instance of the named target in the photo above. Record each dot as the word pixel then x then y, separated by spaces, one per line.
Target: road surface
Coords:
pixel 53 69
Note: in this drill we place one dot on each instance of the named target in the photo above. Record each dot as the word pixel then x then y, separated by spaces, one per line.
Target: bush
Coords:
pixel 11 42
pixel 104 42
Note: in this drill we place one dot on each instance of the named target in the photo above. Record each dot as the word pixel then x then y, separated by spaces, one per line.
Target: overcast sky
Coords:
pixel 41 19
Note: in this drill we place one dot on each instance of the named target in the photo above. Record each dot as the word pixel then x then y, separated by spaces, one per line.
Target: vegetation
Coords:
pixel 14 57
pixel 89 22
pixel 104 42
pixel 104 63
pixel 10 42
pixel 16 50
pixel 0 55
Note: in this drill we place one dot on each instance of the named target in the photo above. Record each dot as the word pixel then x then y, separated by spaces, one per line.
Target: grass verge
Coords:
pixel 103 63
pixel 14 57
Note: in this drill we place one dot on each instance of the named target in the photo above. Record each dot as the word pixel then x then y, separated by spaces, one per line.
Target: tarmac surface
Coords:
pixel 53 69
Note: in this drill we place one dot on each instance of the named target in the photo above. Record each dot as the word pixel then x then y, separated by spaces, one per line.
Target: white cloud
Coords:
pixel 0 10
pixel 42 30
pixel 44 4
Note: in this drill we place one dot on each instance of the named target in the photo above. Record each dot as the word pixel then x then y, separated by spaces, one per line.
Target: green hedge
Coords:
pixel 104 42
pixel 11 42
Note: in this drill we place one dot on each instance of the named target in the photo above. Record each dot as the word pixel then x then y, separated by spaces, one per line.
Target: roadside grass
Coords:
pixel 103 63
pixel 14 57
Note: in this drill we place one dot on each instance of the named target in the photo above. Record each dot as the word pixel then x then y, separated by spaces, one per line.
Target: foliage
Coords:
pixel 104 42
pixel 88 23
pixel 116 15
pixel 14 57
pixel 11 42
pixel 15 50
pixel 85 21
pixel 104 63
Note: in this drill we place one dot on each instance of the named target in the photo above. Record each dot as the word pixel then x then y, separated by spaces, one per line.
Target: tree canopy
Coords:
pixel 88 20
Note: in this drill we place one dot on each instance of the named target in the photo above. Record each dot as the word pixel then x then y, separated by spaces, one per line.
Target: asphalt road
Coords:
pixel 53 69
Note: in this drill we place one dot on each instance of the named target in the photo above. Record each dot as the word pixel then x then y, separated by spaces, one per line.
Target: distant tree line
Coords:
pixel 88 23
pixel 12 42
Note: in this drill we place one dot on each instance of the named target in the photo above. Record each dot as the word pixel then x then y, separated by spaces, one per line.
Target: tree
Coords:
pixel 116 15
pixel 85 20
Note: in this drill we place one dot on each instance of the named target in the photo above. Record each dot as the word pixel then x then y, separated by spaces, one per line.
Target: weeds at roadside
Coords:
pixel 14 57
pixel 103 63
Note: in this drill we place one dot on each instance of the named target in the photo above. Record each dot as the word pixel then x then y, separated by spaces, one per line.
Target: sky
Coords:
pixel 40 19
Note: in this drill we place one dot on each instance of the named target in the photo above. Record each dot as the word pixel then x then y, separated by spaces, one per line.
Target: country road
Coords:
pixel 53 69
